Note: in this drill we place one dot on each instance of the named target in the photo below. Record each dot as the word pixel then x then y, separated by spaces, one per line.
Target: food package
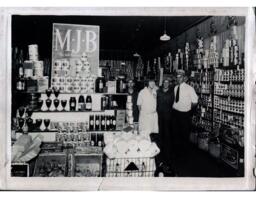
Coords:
pixel 25 149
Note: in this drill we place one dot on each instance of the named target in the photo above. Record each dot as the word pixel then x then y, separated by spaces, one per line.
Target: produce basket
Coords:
pixel 130 167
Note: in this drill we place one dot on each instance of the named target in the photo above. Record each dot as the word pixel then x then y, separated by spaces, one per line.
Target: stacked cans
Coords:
pixel 72 78
pixel 33 52
pixel 129 111
pixel 230 53
pixel 37 69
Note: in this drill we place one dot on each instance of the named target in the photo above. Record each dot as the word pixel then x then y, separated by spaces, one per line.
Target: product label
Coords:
pixel 103 122
pixel 88 105
pixel 97 122
pixel 108 122
pixel 91 122
pixel 101 85
pixel 114 122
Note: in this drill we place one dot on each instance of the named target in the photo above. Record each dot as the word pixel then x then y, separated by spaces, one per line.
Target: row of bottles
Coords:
pixel 83 105
pixel 102 123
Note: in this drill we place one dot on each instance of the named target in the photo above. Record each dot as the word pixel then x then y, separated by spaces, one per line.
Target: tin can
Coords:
pixel 39 68
pixel 65 64
pixel 33 52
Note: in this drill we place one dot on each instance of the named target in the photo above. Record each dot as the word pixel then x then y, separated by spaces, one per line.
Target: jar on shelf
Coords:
pixel 100 84
pixel 120 85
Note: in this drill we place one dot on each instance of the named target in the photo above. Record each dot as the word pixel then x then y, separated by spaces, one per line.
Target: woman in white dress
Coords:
pixel 148 118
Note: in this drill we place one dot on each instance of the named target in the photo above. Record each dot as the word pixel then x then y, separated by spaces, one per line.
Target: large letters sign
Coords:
pixel 75 57
pixel 71 41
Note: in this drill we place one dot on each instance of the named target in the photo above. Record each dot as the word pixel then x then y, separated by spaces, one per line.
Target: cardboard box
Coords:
pixel 42 83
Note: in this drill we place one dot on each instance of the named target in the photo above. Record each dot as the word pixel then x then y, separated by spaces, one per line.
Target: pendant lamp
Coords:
pixel 165 37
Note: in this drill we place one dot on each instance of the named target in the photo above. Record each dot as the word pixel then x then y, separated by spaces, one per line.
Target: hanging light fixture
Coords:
pixel 136 54
pixel 165 37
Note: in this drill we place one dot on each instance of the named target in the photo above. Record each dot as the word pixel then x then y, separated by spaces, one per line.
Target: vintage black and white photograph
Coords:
pixel 117 96
pixel 127 96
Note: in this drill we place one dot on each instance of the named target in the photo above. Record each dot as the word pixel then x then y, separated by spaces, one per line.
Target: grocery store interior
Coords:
pixel 72 112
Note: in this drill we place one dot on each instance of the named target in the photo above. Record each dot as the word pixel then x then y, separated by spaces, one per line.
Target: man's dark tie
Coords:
pixel 177 94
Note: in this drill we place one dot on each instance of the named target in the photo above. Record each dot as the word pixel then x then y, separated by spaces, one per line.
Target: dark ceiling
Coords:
pixel 122 33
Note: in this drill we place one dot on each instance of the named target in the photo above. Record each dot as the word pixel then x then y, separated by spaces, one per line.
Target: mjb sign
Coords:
pixel 71 41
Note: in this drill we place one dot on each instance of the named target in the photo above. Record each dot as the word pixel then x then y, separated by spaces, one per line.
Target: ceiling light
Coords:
pixel 165 37
pixel 136 54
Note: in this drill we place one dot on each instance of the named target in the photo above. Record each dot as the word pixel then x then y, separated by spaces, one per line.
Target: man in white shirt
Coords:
pixel 185 100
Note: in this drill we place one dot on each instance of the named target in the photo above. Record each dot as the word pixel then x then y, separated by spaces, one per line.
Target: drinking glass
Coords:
pixel 40 104
pixel 29 112
pixel 29 122
pixel 38 123
pixel 21 122
pixel 48 92
pixel 48 103
pixel 46 124
pixel 21 111
pixel 56 92
pixel 56 103
pixel 63 104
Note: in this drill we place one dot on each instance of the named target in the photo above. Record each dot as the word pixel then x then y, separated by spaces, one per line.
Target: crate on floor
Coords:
pixel 130 167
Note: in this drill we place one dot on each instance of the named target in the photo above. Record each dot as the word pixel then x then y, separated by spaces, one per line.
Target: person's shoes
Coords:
pixel 169 172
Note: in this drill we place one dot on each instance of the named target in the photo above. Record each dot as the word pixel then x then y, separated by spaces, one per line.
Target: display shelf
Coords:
pixel 99 111
pixel 66 93
pixel 50 136
pixel 230 81
pixel 234 97
pixel 56 131
pixel 228 111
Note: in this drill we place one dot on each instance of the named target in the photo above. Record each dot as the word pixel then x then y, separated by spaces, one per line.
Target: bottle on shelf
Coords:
pixel 102 126
pixel 72 103
pixel 20 84
pixel 113 123
pixel 88 102
pixel 97 123
pixel 91 122
pixel 100 84
pixel 108 123
pixel 103 103
pixel 81 104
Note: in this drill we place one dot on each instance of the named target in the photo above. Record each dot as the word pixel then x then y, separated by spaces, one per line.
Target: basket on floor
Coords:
pixel 130 167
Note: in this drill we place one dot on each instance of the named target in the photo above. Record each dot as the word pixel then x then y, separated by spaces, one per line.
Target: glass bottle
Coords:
pixel 72 104
pixel 81 104
pixel 88 103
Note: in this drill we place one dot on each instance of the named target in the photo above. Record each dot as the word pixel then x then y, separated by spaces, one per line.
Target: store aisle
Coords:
pixel 199 163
